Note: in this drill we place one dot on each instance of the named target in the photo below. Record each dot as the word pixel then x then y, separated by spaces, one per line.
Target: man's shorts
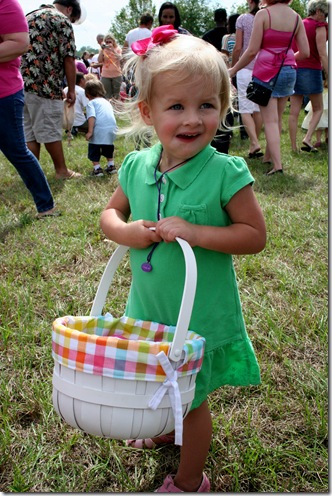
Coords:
pixel 42 119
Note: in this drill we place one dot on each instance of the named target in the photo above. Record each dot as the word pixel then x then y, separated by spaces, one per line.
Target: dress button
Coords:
pixel 162 197
pixel 164 180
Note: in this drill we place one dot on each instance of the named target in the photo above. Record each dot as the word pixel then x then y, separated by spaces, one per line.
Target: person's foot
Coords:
pixel 274 171
pixel 111 169
pixel 151 443
pixel 97 172
pixel 68 175
pixel 307 147
pixel 53 212
pixel 169 486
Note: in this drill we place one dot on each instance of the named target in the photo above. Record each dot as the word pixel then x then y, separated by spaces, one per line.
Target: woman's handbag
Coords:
pixel 258 93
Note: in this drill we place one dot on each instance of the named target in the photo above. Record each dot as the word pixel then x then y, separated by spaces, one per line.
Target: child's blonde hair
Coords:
pixel 94 88
pixel 90 76
pixel 187 57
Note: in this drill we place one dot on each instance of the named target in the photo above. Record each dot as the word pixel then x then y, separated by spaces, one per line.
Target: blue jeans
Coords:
pixel 14 148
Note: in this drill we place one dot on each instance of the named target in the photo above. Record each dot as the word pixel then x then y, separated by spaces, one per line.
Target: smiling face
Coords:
pixel 167 17
pixel 185 115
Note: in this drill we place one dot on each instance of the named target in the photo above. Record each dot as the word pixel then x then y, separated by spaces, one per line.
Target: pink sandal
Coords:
pixel 169 487
pixel 149 444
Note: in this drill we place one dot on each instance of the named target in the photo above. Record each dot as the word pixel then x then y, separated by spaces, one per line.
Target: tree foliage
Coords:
pixel 196 15
pixel 128 18
pixel 300 6
pixel 84 48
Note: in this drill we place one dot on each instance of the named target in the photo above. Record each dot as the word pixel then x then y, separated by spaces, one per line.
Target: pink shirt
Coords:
pixel 111 64
pixel 12 20
pixel 271 54
pixel 313 61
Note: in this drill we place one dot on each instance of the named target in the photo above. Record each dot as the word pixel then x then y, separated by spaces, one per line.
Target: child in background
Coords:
pixel 323 124
pixel 228 40
pixel 183 187
pixel 102 127
pixel 80 122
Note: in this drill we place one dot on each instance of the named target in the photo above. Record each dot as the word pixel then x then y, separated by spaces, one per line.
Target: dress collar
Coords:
pixel 184 175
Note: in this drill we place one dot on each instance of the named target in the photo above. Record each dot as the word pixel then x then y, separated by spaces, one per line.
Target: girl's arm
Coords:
pixel 301 42
pixel 114 224
pixel 101 57
pixel 321 47
pixel 246 234
pixel 238 46
pixel 91 125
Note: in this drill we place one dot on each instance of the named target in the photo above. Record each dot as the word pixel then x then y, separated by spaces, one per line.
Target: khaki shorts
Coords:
pixel 42 119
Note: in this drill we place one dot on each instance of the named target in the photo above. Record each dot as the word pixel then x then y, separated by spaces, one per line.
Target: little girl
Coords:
pixel 183 187
pixel 101 127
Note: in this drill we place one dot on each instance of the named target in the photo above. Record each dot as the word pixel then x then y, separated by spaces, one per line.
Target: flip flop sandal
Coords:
pixel 169 486
pixel 308 148
pixel 256 154
pixel 54 213
pixel 149 444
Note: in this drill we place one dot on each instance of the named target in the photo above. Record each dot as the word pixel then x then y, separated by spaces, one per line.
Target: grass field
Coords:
pixel 270 438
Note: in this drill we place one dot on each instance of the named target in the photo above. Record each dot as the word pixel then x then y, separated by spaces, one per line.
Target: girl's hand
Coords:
pixel 88 136
pixel 139 235
pixel 171 227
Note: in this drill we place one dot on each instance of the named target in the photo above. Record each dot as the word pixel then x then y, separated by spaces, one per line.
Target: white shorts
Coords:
pixel 243 78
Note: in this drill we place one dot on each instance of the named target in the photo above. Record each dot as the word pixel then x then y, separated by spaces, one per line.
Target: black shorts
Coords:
pixel 96 151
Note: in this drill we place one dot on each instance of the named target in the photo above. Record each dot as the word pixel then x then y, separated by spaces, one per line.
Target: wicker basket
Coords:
pixel 123 378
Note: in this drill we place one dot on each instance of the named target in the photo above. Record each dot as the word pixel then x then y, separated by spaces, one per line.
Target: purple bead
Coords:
pixel 146 266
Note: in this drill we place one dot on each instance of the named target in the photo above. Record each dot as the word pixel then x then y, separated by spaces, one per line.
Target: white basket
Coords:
pixel 121 408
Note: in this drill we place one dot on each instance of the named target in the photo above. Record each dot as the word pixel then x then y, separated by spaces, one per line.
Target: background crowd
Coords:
pixel 47 70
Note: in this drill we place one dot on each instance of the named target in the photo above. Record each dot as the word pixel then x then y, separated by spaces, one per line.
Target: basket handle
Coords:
pixel 188 296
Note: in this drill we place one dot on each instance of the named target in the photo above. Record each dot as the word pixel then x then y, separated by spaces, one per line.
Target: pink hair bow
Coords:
pixel 160 35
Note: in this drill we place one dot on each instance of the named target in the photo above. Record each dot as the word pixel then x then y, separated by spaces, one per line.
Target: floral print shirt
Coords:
pixel 51 40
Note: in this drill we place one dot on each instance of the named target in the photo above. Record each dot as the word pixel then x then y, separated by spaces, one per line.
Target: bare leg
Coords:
pixel 257 116
pixel 34 147
pixel 317 110
pixel 56 152
pixel 296 104
pixel 197 432
pixel 249 123
pixel 270 115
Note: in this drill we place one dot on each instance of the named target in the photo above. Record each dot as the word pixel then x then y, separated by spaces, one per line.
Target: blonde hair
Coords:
pixel 90 76
pixel 110 36
pixel 186 57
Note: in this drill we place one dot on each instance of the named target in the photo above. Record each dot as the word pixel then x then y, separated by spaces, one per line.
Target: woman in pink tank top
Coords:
pixel 272 32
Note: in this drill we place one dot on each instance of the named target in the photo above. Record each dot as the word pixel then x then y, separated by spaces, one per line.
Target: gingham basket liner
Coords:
pixel 121 348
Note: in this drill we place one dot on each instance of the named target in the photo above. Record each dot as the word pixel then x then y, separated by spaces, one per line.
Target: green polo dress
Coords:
pixel 198 191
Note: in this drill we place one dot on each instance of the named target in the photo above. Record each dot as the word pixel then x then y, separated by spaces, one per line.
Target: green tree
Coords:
pixel 83 49
pixel 196 16
pixel 129 16
pixel 300 6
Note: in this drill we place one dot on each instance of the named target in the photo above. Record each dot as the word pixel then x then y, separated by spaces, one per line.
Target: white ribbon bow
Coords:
pixel 171 385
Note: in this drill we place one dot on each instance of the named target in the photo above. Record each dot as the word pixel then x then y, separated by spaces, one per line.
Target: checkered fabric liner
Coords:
pixel 122 348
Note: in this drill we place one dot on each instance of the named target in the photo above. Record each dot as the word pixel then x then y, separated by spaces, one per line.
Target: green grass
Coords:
pixel 270 438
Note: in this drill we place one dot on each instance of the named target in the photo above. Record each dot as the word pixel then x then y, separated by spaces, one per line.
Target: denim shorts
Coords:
pixel 308 82
pixel 285 82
